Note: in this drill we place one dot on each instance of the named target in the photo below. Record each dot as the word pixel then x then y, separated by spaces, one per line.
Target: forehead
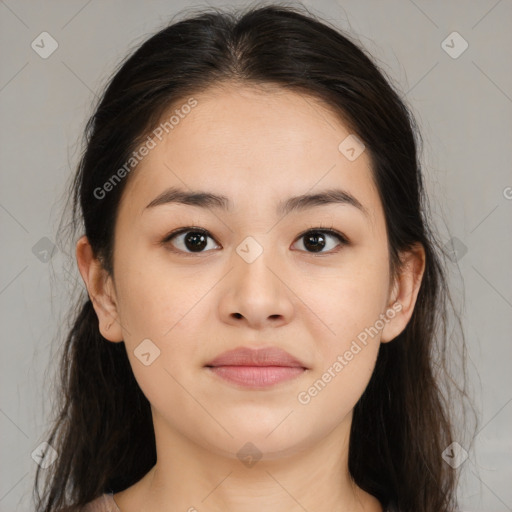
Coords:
pixel 252 144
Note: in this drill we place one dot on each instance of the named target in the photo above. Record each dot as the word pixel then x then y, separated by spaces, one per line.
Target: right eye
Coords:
pixel 191 240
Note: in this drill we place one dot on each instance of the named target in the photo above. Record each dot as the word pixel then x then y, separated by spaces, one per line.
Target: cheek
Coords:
pixel 347 300
pixel 163 315
pixel 348 338
pixel 161 339
pixel 151 299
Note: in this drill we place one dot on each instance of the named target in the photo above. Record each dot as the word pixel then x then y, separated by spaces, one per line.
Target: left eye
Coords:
pixel 195 240
pixel 315 239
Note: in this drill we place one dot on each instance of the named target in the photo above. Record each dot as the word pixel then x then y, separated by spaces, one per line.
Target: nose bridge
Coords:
pixel 252 259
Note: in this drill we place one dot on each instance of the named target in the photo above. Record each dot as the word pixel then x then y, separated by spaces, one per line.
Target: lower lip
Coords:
pixel 257 376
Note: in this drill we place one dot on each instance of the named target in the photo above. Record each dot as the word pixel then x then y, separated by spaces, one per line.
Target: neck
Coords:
pixel 191 477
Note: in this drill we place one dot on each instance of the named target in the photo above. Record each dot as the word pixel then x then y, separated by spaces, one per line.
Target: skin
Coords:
pixel 257 147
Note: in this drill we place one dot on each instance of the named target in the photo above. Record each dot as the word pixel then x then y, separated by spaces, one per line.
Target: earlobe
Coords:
pixel 405 292
pixel 100 289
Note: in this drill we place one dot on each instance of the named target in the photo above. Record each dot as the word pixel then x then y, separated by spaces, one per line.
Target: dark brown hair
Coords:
pixel 103 428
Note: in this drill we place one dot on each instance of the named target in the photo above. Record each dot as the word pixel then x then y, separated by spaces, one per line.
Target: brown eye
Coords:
pixel 315 240
pixel 189 240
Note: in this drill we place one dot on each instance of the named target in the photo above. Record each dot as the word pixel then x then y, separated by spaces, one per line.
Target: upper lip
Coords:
pixel 245 356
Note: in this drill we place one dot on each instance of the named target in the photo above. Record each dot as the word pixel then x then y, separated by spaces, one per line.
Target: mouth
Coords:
pixel 256 368
pixel 256 376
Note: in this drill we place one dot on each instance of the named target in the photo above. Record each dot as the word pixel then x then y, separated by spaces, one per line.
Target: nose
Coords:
pixel 256 291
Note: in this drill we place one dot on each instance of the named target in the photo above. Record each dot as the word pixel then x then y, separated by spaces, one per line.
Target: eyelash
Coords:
pixel 313 229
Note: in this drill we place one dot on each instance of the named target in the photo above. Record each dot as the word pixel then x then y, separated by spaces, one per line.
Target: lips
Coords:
pixel 244 356
pixel 256 368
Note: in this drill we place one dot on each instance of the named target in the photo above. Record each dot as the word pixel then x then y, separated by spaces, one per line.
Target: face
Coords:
pixel 251 274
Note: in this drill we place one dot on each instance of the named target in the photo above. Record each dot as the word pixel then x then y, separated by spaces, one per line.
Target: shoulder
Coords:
pixel 104 503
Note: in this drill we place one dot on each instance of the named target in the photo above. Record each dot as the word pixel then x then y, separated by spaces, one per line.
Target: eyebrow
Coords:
pixel 296 203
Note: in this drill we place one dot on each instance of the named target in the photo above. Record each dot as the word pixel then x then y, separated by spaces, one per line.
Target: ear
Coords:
pixel 101 290
pixel 405 292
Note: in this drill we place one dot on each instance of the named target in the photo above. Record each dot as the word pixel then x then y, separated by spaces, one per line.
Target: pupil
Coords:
pixel 195 237
pixel 316 246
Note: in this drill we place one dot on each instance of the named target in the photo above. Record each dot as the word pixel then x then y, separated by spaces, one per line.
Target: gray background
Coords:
pixel 463 106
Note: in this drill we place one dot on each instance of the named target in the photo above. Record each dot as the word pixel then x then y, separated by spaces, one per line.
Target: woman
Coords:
pixel 265 296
